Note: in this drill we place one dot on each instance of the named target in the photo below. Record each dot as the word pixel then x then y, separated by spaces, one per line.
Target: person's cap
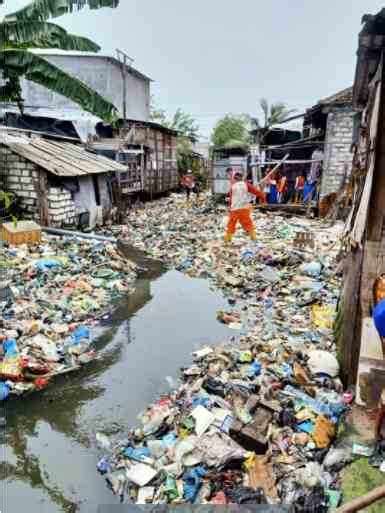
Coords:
pixel 189 172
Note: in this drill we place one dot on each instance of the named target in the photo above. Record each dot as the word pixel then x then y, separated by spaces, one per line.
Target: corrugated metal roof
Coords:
pixel 344 96
pixel 59 158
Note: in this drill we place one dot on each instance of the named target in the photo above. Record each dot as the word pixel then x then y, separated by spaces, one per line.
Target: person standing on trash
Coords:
pixel 299 186
pixel 240 208
pixel 282 188
pixel 189 184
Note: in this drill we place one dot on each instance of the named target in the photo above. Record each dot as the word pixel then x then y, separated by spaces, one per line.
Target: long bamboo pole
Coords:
pixel 274 169
pixel 362 502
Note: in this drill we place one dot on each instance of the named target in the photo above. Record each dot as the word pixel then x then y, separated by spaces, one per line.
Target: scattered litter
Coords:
pixel 254 419
pixel 362 450
pixel 60 289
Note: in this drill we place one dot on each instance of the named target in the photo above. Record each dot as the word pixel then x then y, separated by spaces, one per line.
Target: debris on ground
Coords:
pixel 60 289
pixel 254 420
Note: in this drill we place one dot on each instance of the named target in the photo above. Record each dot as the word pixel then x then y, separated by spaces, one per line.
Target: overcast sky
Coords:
pixel 210 57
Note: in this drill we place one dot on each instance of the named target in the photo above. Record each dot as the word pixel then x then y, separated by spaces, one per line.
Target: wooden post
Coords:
pixel 163 157
pixel 42 191
pixel 373 261
pixel 156 158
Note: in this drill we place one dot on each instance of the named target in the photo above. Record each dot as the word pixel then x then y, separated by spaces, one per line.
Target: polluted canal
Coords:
pixel 45 450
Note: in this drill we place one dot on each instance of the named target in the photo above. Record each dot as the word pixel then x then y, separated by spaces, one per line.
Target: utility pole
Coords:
pixel 123 58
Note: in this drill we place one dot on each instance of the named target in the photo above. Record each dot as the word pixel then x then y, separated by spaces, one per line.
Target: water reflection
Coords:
pixel 45 451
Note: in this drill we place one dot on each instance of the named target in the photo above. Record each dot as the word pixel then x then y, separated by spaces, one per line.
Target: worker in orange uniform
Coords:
pixel 240 208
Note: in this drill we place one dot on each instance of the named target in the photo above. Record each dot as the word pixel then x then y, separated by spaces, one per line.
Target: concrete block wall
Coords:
pixel 61 208
pixel 338 140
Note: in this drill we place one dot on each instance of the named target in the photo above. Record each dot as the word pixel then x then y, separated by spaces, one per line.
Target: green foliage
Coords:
pixel 360 478
pixel 157 115
pixel 28 28
pixel 185 124
pixel 6 198
pixel 181 122
pixel 232 130
pixel 273 114
pixel 44 9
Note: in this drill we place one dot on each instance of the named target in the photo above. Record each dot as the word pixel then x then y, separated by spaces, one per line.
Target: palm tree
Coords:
pixel 29 28
pixel 274 114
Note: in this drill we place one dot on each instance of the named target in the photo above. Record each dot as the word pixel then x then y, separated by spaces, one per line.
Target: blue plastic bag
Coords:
pixel 81 333
pixel 332 410
pixel 379 318
pixel 307 426
pixel 192 482
pixel 10 348
pixel 45 264
pixel 254 369
pixel 4 391
pixel 103 465
pixel 169 440
pixel 137 453
pixel 201 400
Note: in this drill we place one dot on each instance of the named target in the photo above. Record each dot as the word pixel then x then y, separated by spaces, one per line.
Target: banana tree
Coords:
pixel 30 28
pixel 273 114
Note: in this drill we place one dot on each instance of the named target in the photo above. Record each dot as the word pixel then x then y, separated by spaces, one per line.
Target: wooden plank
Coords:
pixel 42 187
pixel 348 341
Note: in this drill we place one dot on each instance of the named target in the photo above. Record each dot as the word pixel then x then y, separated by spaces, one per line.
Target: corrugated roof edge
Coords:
pixel 73 53
pixel 60 158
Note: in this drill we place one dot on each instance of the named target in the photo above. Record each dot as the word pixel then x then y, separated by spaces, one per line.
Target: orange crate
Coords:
pixel 25 232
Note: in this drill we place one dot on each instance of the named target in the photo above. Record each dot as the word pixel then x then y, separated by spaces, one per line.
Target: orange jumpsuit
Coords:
pixel 240 209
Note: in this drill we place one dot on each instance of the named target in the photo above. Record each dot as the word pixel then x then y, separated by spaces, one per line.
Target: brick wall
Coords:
pixel 21 177
pixel 337 158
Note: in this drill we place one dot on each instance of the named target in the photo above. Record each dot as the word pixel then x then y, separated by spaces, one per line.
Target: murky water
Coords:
pixel 48 452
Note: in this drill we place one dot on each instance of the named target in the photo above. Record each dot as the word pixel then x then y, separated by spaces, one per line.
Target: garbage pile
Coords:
pixel 254 420
pixel 56 292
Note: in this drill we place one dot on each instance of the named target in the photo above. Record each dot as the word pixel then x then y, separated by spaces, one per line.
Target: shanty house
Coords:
pixel 359 342
pixel 56 181
pixel 330 125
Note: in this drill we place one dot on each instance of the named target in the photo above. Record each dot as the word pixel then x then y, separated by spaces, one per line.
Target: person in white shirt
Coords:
pixel 240 208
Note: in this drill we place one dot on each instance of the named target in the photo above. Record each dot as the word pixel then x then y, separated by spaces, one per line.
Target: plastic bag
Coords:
pixel 170 488
pixel 215 387
pixel 192 482
pixel 10 348
pixel 314 502
pixel 137 453
pixel 323 316
pixel 337 458
pixel 247 495
pixel 45 264
pixel 81 333
pixel 4 391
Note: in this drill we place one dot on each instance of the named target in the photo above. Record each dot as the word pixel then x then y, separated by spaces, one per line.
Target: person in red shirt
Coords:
pixel 298 188
pixel 189 184
pixel 240 208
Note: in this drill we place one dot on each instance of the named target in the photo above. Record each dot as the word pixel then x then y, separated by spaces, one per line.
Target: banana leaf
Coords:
pixel 44 9
pixel 40 34
pixel 25 64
